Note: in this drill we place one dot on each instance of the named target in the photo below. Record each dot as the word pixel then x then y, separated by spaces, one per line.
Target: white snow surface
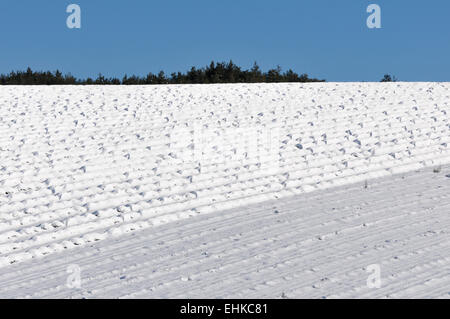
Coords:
pixel 242 190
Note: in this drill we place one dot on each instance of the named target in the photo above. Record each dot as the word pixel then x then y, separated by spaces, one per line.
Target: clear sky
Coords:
pixel 324 38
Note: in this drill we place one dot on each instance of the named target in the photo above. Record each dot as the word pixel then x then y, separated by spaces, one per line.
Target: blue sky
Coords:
pixel 324 38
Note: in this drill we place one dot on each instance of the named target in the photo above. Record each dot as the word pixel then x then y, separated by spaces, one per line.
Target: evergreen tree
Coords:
pixel 219 72
pixel 388 78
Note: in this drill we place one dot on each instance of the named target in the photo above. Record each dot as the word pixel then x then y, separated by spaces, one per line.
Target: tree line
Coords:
pixel 220 72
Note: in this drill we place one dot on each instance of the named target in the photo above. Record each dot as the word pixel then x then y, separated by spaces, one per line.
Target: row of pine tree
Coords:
pixel 221 72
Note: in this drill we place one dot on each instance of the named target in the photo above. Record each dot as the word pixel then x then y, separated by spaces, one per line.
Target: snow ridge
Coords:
pixel 83 164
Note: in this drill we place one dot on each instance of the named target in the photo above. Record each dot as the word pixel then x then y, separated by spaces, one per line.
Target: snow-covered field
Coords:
pixel 249 190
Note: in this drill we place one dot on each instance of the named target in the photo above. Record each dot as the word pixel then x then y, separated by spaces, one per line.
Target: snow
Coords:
pixel 262 190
